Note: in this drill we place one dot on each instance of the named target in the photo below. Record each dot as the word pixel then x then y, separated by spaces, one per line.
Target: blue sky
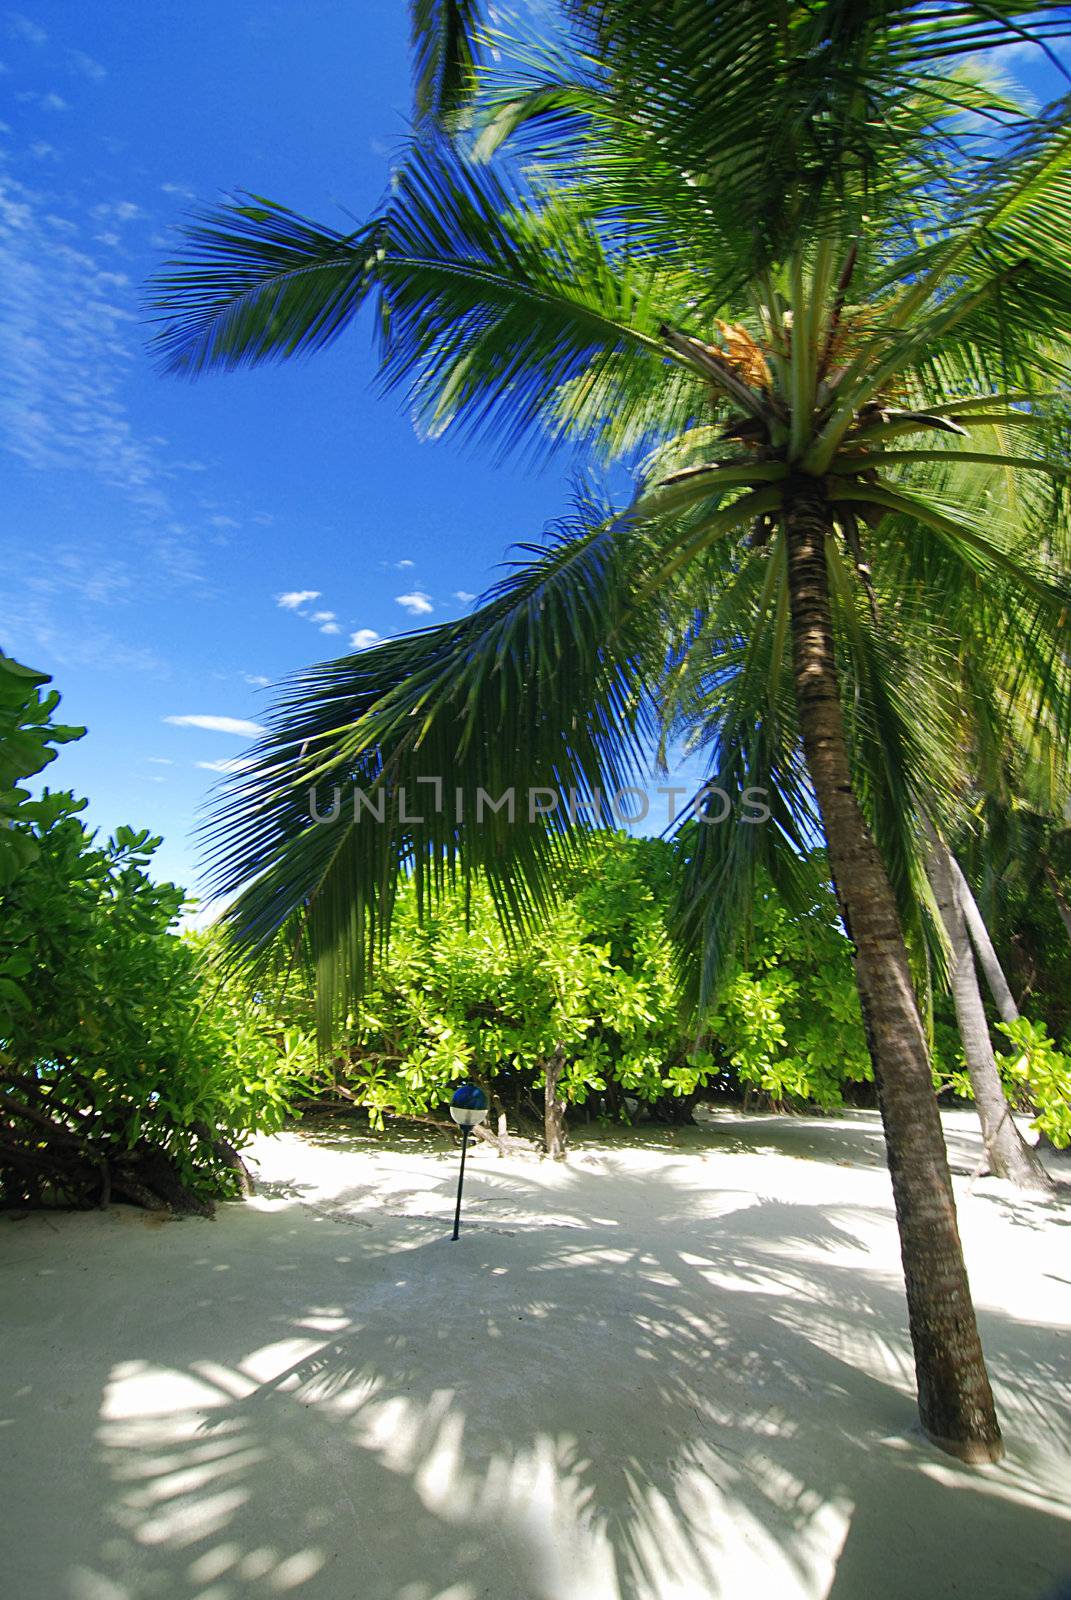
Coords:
pixel 167 549
pixel 149 526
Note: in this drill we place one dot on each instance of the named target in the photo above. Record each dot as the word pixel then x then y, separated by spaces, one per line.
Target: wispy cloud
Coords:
pixel 31 628
pixel 364 639
pixel 160 761
pixel 116 211
pixel 20 27
pixel 401 565
pixel 70 334
pixel 234 764
pixel 72 357
pixel 257 679
pixel 86 65
pixel 464 596
pixel 68 329
pixel 418 604
pixel 212 724
pixel 295 598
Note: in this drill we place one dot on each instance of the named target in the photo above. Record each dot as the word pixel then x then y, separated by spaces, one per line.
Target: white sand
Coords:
pixel 673 1371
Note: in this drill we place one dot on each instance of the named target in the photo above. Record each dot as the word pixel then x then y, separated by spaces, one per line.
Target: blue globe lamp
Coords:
pixel 468 1109
pixel 469 1105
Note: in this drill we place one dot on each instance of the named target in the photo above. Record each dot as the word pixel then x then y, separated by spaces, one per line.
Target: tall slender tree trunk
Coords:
pixel 988 959
pixel 553 1110
pixel 1007 1151
pixel 955 1398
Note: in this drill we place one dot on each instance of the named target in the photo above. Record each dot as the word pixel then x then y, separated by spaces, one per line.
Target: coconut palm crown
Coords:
pixel 804 270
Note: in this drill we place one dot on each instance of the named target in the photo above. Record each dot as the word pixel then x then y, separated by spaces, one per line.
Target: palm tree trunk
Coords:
pixel 1008 1153
pixel 988 959
pixel 955 1399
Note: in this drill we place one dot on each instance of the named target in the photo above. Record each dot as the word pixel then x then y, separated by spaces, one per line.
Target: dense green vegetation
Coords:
pixel 454 998
pixel 126 1067
pixel 135 1063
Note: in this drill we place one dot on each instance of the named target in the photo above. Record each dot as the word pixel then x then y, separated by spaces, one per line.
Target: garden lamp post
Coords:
pixel 468 1108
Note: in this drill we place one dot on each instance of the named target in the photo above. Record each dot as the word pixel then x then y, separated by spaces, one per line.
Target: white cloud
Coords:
pixel 257 679
pixel 160 761
pixel 86 65
pixel 418 604
pixel 224 522
pixel 401 565
pixel 21 27
pixel 464 596
pixel 69 332
pixel 238 725
pixel 330 627
pixel 296 597
pixel 364 639
pixel 31 626
pixel 234 764
pixel 180 189
pixel 322 616
pixel 118 211
pixel 53 102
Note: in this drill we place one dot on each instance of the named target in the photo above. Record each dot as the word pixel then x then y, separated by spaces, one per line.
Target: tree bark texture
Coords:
pixel 1007 1152
pixel 987 956
pixel 553 1109
pixel 954 1395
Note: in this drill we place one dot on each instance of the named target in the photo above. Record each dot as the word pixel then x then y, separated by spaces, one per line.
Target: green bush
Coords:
pixel 453 1000
pixel 787 1019
pixel 1037 1075
pixel 118 1034
pixel 126 1065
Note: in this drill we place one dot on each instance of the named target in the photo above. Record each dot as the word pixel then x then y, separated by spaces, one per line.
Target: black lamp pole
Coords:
pixel 467 1108
pixel 460 1181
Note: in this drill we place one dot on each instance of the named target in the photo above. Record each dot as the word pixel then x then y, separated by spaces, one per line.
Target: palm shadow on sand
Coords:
pixel 686 1390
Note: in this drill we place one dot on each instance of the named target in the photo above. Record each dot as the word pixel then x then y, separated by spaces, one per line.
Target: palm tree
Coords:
pixel 805 272
pixel 1007 1153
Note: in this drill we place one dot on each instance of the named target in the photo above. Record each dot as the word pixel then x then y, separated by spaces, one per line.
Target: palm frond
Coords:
pixel 259 283
pixel 441 725
pixel 444 35
pixel 971 538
